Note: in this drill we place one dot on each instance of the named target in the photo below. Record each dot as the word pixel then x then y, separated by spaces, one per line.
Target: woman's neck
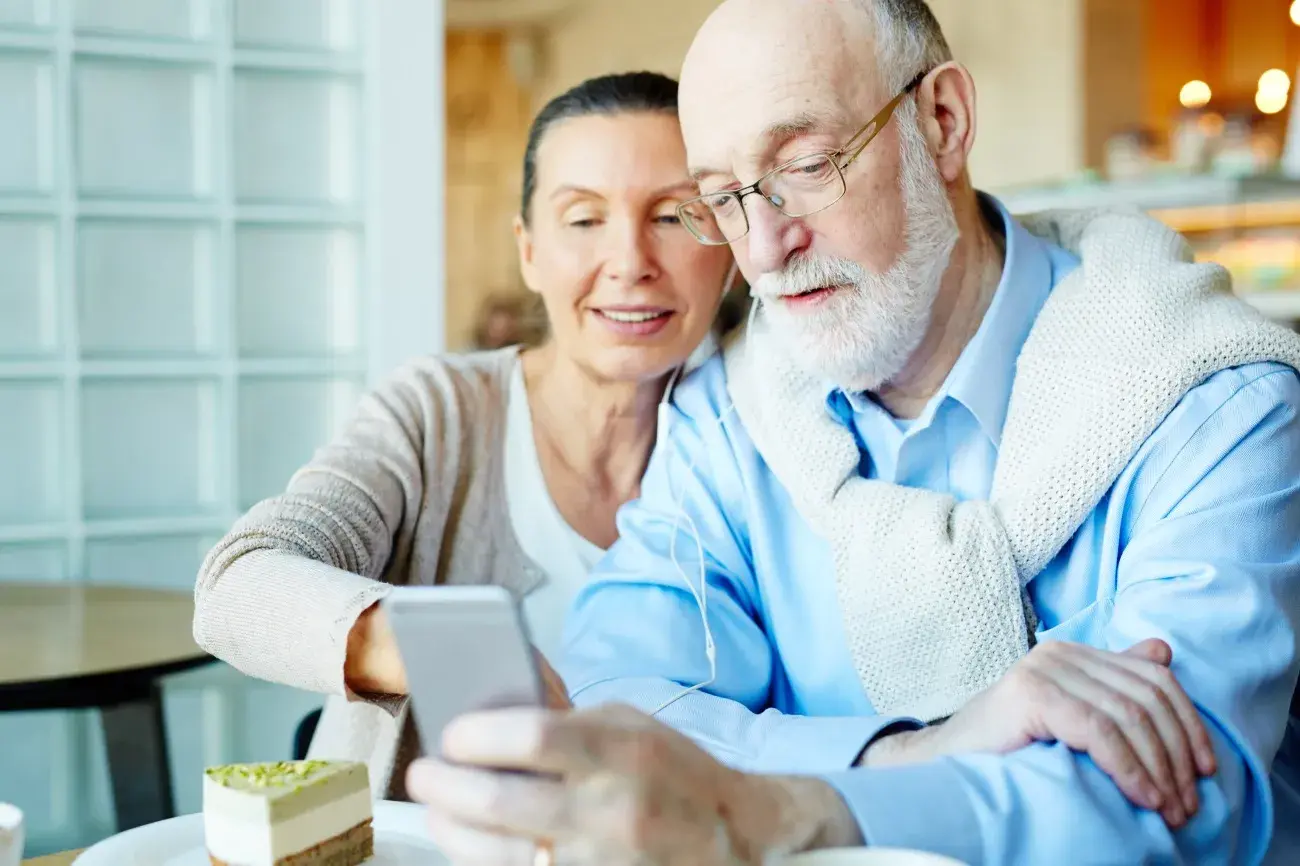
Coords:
pixel 598 430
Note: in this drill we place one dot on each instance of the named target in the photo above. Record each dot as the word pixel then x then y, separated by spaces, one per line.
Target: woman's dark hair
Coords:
pixel 623 93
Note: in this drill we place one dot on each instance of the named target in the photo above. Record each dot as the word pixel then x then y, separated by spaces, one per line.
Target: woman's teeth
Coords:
pixel 619 316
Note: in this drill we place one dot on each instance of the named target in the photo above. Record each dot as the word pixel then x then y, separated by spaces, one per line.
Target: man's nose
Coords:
pixel 770 240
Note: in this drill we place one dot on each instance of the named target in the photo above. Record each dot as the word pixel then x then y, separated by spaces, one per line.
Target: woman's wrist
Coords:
pixel 373 664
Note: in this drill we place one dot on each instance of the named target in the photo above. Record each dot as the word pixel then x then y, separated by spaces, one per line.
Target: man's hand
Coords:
pixel 611 786
pixel 1125 710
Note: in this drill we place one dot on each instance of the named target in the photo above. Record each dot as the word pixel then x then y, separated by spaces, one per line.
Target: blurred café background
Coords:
pixel 221 219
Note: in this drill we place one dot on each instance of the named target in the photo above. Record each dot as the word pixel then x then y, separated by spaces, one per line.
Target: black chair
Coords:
pixel 302 736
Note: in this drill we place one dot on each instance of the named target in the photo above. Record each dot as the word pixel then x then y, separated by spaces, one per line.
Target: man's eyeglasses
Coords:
pixel 798 188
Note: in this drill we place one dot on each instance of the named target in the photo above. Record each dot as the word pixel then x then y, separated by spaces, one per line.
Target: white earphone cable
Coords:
pixel 700 594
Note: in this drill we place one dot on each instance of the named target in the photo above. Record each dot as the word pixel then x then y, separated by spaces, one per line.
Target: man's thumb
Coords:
pixel 1153 650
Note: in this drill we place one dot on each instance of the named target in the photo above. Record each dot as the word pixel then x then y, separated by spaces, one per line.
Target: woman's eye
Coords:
pixel 670 219
pixel 582 222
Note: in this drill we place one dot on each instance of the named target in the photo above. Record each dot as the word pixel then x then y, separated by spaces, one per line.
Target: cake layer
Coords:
pixel 258 843
pixel 351 848
pixel 282 789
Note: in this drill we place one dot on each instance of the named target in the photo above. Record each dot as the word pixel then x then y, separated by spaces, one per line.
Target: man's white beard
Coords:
pixel 862 336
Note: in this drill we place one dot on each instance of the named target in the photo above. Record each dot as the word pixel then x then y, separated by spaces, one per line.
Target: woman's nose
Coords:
pixel 631 257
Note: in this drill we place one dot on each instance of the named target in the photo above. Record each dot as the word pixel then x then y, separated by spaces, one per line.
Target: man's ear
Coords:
pixel 524 244
pixel 946 109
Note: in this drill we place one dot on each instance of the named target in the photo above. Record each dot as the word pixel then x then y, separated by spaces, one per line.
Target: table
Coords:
pixel 64 859
pixel 70 646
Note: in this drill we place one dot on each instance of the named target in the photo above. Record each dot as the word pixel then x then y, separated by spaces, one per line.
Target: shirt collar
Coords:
pixel 982 378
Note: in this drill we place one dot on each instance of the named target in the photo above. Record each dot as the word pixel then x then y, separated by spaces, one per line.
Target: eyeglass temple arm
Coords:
pixel 877 123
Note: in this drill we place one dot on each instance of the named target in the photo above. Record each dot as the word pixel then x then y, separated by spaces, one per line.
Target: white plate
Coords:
pixel 870 857
pixel 400 840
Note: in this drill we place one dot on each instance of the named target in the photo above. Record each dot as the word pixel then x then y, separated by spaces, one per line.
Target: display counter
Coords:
pixel 1249 225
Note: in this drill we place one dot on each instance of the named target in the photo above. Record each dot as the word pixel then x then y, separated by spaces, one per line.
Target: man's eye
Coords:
pixel 721 203
pixel 813 168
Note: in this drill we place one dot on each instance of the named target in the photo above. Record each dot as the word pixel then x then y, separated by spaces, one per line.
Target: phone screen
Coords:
pixel 465 649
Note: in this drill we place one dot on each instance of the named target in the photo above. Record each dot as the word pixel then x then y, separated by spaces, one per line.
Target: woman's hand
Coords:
pixel 1125 710
pixel 556 693
pixel 373 665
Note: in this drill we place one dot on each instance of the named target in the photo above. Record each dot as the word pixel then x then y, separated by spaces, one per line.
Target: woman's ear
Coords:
pixel 524 243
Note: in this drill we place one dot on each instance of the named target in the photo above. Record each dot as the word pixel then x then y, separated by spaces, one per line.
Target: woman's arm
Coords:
pixel 290 594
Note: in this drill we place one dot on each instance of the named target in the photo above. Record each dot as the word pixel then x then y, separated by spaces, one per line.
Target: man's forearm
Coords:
pixel 771 742
pixel 1044 803
pixel 906 746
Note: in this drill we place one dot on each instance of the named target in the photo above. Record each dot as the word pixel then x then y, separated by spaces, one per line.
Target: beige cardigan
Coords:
pixel 411 492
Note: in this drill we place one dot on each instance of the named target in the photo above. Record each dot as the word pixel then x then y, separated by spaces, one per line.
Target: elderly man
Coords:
pixel 947 443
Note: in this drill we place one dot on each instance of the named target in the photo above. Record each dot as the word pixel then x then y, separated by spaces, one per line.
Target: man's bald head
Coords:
pixel 902 36
pixel 853 53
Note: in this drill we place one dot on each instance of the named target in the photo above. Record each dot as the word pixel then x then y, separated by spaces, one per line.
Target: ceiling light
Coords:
pixel 1196 94
pixel 1275 81
pixel 1270 103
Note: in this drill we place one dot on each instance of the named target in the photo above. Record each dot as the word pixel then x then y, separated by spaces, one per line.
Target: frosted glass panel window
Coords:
pixel 146 289
pixel 298 291
pixel 31 431
pixel 296 138
pixel 281 424
pixel 166 562
pixel 191 725
pixel 25 13
pixel 144 130
pixel 27 120
pixel 307 24
pixel 33 561
pixel 150 448
pixel 34 775
pixel 29 311
pixel 160 19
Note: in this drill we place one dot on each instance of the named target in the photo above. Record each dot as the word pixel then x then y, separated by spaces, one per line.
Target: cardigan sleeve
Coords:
pixel 277 597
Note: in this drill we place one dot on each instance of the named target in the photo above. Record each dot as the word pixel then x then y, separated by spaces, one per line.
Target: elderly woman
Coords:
pixel 503 467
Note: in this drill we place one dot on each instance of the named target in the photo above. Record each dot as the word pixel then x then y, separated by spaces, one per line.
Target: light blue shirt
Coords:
pixel 1198 543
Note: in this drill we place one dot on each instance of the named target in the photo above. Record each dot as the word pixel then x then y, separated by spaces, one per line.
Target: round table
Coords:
pixel 71 646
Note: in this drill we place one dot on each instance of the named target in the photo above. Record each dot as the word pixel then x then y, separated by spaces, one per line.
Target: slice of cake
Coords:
pixel 288 813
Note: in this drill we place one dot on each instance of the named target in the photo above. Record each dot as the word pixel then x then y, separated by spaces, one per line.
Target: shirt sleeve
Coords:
pixel 636 633
pixel 1213 568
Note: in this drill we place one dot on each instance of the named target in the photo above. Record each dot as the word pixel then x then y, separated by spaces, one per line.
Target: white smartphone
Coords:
pixel 465 649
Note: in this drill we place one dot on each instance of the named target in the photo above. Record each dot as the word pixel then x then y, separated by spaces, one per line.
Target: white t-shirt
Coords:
pixel 548 540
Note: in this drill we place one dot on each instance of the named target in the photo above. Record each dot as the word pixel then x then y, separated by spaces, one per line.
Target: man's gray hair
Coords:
pixel 909 40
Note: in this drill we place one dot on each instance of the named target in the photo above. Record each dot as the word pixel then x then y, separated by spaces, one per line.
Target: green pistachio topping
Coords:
pixel 277 774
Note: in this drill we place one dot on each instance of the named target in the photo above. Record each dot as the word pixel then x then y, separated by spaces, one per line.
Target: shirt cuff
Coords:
pixel 809 745
pixel 921 806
